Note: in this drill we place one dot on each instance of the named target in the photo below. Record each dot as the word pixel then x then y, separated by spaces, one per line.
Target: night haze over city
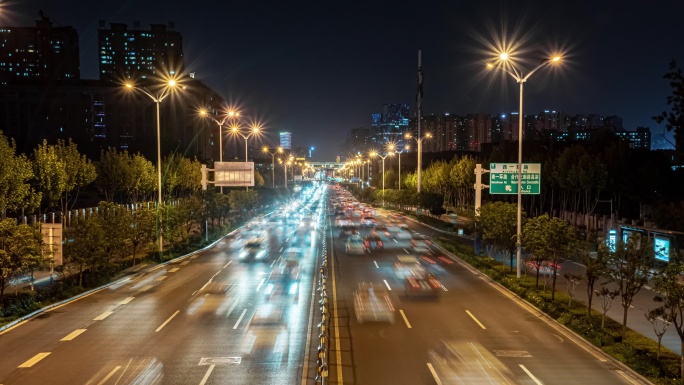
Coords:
pixel 318 69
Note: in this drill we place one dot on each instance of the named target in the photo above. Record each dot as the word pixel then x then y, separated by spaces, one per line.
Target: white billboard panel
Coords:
pixel 234 174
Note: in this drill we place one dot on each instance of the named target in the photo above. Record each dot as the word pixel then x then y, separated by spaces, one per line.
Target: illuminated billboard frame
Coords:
pixel 234 174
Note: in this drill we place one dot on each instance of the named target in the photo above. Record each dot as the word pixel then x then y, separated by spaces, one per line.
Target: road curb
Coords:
pixel 42 310
pixel 434 228
pixel 567 332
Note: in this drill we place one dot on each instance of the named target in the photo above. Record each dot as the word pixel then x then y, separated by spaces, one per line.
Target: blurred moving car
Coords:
pixel 372 303
pixel 267 326
pixel 368 222
pixel 459 362
pixel 407 266
pixel 346 231
pixel 355 246
pixel 425 285
pixel 253 250
pixel 403 234
pixel 373 243
pixel 420 247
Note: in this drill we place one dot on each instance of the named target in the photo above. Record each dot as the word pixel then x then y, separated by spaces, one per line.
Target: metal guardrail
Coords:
pixel 323 336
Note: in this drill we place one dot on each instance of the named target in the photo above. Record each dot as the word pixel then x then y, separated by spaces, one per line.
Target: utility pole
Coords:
pixel 419 102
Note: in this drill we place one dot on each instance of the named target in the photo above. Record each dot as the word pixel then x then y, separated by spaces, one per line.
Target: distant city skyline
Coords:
pixel 306 71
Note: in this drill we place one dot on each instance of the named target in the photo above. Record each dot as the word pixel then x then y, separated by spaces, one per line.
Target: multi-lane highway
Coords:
pixel 469 311
pixel 216 317
pixel 245 312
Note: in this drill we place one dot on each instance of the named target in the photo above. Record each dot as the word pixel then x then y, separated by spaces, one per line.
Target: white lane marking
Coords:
pixel 408 325
pixel 126 301
pixel 145 288
pixel 109 375
pixel 205 285
pixel 443 288
pixel 73 335
pixel 434 374
pixel 376 265
pixel 163 277
pixel 34 360
pixel 175 269
pixel 273 263
pixel 281 249
pixel 406 251
pixel 531 375
pixel 387 284
pixel 261 284
pixel 103 316
pixel 239 319
pixel 226 265
pixel 207 374
pixel 167 321
pixel 628 378
pixel 395 241
pixel 184 263
pixel 475 319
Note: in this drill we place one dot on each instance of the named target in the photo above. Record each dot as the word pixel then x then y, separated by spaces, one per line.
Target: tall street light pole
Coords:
pixel 229 115
pixel 419 141
pixel 158 97
pixel 255 130
pixel 510 69
pixel 279 150
pixel 374 154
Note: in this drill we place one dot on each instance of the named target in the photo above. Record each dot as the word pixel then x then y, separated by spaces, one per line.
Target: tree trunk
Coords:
pixel 536 284
pixel 590 293
pixel 80 275
pixel 624 319
pixel 681 359
pixel 553 288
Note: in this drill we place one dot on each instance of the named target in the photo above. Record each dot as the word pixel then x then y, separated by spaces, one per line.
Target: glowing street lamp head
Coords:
pixel 203 112
pixel 490 65
pixel 503 56
pixel 391 147
pixel 129 85
pixel 556 59
pixel 428 135
pixel 264 149
pixel 172 83
pixel 407 136
pixel 234 130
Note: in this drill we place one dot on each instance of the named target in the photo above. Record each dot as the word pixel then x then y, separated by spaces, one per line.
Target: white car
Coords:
pixel 404 234
pixel 372 303
pixel 355 246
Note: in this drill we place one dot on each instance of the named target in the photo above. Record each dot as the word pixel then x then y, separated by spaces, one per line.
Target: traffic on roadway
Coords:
pixel 407 313
pixel 244 311
pixel 236 313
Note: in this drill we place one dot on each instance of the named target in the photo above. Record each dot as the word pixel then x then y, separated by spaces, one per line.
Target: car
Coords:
pixel 266 327
pixel 354 246
pixel 373 242
pixel 368 222
pixel 408 266
pixel 403 234
pixel 254 250
pixel 287 270
pixel 372 303
pixel 420 247
pixel 468 362
pixel 346 231
pixel 425 285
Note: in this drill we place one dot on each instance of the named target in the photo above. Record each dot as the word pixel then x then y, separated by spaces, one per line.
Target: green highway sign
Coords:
pixel 503 178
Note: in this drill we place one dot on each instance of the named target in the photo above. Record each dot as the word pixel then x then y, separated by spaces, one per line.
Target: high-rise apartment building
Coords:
pixel 40 54
pixel 390 125
pixel 139 54
pixel 286 140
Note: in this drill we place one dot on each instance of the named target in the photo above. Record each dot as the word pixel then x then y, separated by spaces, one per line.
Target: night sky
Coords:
pixel 320 68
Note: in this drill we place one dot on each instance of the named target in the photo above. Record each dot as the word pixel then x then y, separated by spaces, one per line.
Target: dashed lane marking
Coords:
pixel 376 264
pixel 408 325
pixel 73 335
pixel 434 374
pixel 475 319
pixel 103 316
pixel 126 301
pixel 34 360
pixel 167 321
pixel 175 269
pixel 239 319
pixel 535 379
pixel 109 375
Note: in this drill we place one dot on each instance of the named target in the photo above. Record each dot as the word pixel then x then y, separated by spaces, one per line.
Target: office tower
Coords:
pixel 286 140
pixel 40 54
pixel 141 55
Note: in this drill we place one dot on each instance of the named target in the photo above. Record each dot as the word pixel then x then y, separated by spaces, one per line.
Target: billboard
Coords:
pixel 52 239
pixel 234 174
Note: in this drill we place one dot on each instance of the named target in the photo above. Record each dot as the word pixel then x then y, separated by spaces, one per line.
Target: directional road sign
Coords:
pixel 503 178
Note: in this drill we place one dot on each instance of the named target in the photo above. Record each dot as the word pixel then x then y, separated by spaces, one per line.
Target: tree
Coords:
pixel 20 250
pixel 241 200
pixel 595 267
pixel 671 297
pixel 628 267
pixel 116 222
pixel 141 179
pixel 547 239
pixel 142 230
pixel 258 179
pixel 15 174
pixel 607 298
pixel 674 119
pixel 85 248
pixel 112 170
pixel 572 280
pixel 497 222
pixel 660 321
pixel 80 172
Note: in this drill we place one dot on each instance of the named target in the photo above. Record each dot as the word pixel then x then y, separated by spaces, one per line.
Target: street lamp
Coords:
pixel 406 147
pixel 374 154
pixel 254 130
pixel 229 115
pixel 420 153
pixel 278 150
pixel 157 98
pixel 510 69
